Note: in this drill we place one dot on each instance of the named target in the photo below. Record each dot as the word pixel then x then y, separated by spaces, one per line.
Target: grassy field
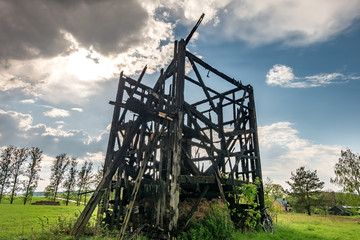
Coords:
pixel 296 226
pixel 20 221
pixel 28 222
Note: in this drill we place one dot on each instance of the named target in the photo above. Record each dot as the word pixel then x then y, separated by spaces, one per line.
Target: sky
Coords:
pixel 60 63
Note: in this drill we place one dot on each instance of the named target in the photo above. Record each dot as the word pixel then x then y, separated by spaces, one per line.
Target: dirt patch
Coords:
pixel 53 203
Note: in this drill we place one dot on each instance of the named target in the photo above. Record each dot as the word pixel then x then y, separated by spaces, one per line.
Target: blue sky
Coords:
pixel 60 61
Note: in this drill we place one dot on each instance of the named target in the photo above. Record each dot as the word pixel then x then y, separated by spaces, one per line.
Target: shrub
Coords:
pixel 215 225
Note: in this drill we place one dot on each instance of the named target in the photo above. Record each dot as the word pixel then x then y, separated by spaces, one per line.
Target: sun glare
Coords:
pixel 86 65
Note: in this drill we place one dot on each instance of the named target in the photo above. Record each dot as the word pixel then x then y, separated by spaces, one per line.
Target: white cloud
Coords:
pixel 28 101
pixel 291 22
pixel 283 76
pixel 75 71
pixel 77 109
pixel 283 151
pixel 23 121
pixel 18 129
pixel 74 77
pixel 189 11
pixel 295 23
pixel 57 112
pixel 97 157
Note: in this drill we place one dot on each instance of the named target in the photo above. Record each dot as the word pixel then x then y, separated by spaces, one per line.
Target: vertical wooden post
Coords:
pixel 177 136
pixel 111 144
pixel 253 125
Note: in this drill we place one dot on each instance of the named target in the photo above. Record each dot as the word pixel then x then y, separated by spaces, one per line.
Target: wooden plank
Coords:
pixel 202 84
pixel 188 108
pixel 211 155
pixel 220 74
pixel 189 163
pixel 194 29
pixel 148 154
pixel 177 136
pixel 193 209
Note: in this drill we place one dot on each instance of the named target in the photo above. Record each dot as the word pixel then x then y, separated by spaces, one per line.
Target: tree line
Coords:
pixel 20 172
pixel 306 194
pixel 20 168
pixel 14 176
pixel 75 182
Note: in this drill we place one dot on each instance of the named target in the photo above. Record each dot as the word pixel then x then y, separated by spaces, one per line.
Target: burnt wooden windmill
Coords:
pixel 178 140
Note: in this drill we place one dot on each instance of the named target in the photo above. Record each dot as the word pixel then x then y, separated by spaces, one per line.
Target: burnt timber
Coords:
pixel 177 140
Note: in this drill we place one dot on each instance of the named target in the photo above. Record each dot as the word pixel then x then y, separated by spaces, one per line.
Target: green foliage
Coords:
pixel 305 189
pixel 58 169
pixel 19 157
pixel 32 173
pixel 272 191
pixel 215 225
pixel 348 199
pixel 6 168
pixel 70 180
pixel 347 171
pixel 245 207
pixel 84 180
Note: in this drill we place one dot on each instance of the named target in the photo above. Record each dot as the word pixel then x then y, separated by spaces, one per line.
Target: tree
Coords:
pixel 32 173
pixel 20 155
pixel 58 169
pixel 84 179
pixel 277 191
pixel 70 181
pixel 347 171
pixel 272 191
pixel 5 168
pixel 305 189
pixel 267 183
pixel 98 176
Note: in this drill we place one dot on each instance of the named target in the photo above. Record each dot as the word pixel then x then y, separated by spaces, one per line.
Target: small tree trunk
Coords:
pixel 67 197
pixel 55 193
pixel 13 191
pixel 26 196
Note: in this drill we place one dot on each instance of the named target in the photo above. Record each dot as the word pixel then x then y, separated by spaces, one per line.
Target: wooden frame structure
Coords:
pixel 177 140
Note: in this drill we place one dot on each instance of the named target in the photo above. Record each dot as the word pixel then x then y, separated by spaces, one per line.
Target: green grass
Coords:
pixel 19 221
pixel 317 227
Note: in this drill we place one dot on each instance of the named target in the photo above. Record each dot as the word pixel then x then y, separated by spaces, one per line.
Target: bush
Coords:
pixel 215 225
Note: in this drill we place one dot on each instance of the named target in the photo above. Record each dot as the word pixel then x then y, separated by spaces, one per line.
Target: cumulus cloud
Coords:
pixel 57 112
pixel 188 11
pixel 109 26
pixel 262 22
pixel 291 22
pixel 77 109
pixel 95 157
pixel 283 76
pixel 18 129
pixel 28 101
pixel 283 151
pixel 23 121
pixel 71 48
